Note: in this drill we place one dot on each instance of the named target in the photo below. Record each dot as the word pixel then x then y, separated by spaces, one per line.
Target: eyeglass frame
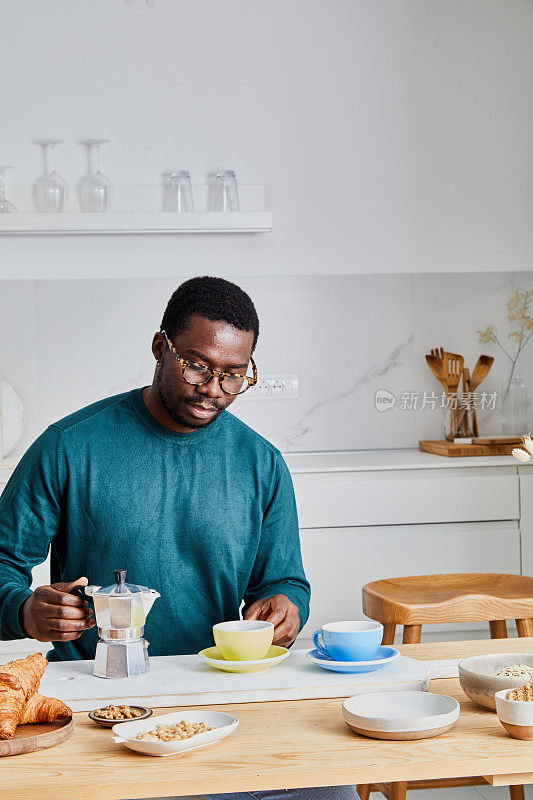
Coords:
pixel 184 363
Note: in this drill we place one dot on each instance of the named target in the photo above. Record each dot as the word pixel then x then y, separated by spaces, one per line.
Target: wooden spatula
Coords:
pixel 453 365
pixel 437 351
pixel 436 366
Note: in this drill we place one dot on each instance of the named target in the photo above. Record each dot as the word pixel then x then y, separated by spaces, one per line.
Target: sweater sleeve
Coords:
pixel 278 567
pixel 29 519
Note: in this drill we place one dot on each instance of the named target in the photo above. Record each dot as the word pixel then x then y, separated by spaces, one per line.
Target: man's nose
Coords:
pixel 211 388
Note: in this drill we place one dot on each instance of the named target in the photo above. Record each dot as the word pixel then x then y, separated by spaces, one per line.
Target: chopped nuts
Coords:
pixel 522 693
pixel 517 671
pixel 174 733
pixel 118 712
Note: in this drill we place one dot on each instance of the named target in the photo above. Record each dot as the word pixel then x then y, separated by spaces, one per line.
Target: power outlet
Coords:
pixel 275 387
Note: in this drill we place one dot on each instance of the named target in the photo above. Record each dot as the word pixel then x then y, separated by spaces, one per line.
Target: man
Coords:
pixel 167 483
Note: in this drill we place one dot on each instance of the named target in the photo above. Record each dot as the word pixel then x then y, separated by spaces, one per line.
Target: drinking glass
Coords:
pixel 514 406
pixel 95 189
pixel 180 192
pixel 226 195
pixel 6 206
pixel 50 189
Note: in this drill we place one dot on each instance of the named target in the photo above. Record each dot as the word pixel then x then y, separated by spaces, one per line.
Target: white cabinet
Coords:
pixel 339 561
pixel 406 496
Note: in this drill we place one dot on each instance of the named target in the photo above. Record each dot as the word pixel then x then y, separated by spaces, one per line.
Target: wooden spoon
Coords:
pixel 484 363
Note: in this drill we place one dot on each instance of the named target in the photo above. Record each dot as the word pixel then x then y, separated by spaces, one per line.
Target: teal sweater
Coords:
pixel 207 518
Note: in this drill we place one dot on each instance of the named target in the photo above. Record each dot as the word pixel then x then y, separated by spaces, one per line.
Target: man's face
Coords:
pixel 218 345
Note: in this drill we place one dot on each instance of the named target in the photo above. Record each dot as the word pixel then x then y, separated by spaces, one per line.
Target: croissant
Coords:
pixel 44 709
pixel 18 682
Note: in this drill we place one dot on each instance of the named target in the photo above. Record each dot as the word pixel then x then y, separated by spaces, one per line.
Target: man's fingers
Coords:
pixel 276 616
pixel 66 612
pixel 254 611
pixel 70 625
pixel 56 597
pixel 284 629
pixel 56 636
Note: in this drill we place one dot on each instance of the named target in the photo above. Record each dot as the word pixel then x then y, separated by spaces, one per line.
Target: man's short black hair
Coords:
pixel 214 298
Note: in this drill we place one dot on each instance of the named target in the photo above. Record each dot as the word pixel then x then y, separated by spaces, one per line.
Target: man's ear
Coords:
pixel 158 345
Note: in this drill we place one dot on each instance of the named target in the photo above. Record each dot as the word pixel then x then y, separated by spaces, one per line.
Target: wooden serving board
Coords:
pixel 441 447
pixel 37 736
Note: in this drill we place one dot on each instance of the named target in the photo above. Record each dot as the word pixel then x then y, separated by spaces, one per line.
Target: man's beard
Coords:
pixel 175 415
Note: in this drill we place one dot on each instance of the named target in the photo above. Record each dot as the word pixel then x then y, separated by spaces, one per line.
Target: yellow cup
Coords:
pixel 243 640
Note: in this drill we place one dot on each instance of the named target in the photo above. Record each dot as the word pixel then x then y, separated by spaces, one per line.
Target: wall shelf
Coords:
pixel 154 222
pixel 139 209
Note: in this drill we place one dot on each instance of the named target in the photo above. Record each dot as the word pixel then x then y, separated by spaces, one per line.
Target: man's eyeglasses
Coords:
pixel 198 374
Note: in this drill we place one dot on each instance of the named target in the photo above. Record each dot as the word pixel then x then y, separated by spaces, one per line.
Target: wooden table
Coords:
pixel 280 745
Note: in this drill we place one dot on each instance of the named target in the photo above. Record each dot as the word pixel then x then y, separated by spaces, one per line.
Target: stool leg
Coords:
pixel 364 789
pixel 498 629
pixel 516 792
pixel 399 790
pixel 411 635
pixel 389 629
pixel 524 627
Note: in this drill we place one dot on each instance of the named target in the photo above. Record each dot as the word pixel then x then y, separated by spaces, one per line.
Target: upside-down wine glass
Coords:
pixel 6 206
pixel 50 189
pixel 95 189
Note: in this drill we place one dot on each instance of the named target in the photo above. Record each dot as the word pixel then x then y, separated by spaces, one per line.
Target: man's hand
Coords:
pixel 279 610
pixel 53 615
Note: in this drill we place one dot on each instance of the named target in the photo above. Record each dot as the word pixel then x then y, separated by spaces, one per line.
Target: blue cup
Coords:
pixel 349 641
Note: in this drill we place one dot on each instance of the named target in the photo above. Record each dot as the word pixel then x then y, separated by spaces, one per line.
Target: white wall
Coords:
pixel 64 344
pixel 392 135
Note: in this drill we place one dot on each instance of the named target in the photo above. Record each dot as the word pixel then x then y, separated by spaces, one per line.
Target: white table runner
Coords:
pixel 187 681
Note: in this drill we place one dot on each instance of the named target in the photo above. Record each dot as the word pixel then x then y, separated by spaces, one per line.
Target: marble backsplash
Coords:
pixel 65 344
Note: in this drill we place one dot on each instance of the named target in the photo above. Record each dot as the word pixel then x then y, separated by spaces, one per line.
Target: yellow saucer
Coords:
pixel 212 657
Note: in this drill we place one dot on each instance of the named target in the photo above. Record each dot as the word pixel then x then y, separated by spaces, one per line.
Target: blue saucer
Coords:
pixel 385 655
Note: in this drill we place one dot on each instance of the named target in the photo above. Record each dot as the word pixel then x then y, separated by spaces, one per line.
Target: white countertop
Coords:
pixel 362 461
pixel 370 460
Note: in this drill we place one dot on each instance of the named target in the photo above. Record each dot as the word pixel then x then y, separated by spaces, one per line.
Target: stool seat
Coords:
pixel 466 597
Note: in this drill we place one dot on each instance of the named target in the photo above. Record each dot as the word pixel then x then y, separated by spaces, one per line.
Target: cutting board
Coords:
pixel 188 681
pixel 29 738
pixel 441 447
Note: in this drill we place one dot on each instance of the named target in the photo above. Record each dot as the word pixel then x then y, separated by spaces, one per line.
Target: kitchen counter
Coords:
pixel 360 461
pixel 372 460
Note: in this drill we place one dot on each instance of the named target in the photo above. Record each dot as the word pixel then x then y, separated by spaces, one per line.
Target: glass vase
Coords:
pixel 514 407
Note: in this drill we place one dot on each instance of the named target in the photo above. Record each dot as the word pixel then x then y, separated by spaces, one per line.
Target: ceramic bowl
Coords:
pixel 479 681
pixel 516 716
pixel 110 723
pixel 222 725
pixel 400 715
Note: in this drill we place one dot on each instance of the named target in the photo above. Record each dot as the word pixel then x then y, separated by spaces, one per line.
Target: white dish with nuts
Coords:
pixel 162 735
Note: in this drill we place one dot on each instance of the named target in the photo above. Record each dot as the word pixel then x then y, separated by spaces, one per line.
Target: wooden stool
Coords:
pixel 468 597
pixel 424 599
